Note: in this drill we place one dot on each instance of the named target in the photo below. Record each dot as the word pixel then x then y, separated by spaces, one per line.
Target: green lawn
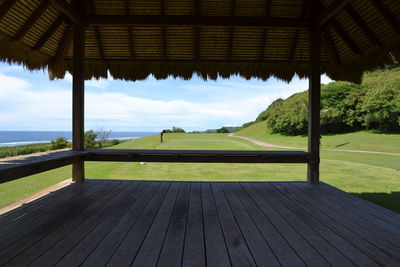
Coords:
pixel 363 140
pixel 369 175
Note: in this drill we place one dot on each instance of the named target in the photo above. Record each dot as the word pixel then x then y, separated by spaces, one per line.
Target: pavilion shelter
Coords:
pixel 131 40
pixel 169 223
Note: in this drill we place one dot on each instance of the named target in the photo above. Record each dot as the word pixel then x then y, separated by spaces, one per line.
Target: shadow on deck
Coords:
pixel 121 223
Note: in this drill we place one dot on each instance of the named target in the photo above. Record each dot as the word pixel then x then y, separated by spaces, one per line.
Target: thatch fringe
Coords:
pixel 18 52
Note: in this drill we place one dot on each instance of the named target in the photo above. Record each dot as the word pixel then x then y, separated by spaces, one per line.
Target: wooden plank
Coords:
pixel 169 20
pixel 362 25
pixel 312 219
pixel 281 248
pixel 172 248
pixel 30 208
pixel 359 203
pixel 229 156
pixel 50 31
pixel 318 242
pixel 63 47
pixel 5 7
pixel 87 224
pixel 78 100
pixel 332 10
pixel 305 251
pixel 339 225
pixel 238 249
pixel 387 233
pixel 23 215
pixel 387 14
pixel 149 252
pixel 82 250
pixel 134 240
pixel 17 167
pixel 260 249
pixel 31 20
pixel 16 242
pixel 216 249
pixel 209 60
pixel 373 213
pixel 56 243
pixel 194 249
pixel 68 10
pixel 314 103
pixel 139 214
pixel 346 38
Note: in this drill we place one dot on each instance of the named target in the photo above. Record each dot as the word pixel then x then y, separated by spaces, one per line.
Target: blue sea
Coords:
pixel 15 138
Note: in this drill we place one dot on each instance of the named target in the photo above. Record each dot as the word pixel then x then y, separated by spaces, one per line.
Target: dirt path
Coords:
pixel 260 143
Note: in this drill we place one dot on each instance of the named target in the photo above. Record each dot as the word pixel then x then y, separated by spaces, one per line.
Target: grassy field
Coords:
pixel 363 140
pixel 373 177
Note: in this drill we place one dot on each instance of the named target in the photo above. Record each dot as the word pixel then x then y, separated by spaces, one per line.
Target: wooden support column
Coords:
pixel 78 86
pixel 314 99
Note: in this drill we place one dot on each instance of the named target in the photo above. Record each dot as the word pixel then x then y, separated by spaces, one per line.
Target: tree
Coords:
pixel 223 130
pixel 101 136
pixel 177 130
pixel 90 139
pixel 59 143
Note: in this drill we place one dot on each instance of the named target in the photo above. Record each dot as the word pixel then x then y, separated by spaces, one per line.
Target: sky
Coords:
pixel 29 101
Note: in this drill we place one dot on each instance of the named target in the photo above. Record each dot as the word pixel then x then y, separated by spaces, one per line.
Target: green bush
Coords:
pixel 59 143
pixel 90 139
pixel 345 107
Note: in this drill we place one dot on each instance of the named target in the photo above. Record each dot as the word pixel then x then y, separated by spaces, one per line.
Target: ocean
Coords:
pixel 15 138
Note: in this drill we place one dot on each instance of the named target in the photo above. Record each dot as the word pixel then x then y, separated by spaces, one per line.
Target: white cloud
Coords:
pixel 26 108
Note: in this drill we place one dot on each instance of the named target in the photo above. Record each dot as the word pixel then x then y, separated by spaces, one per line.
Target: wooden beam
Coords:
pixel 78 88
pixel 346 37
pixel 99 42
pixel 18 168
pixel 46 36
pixel 200 60
pixel 197 156
pixel 5 6
pixel 130 34
pixel 31 20
pixel 151 20
pixel 264 36
pixel 292 51
pixel 64 46
pixel 330 46
pixel 331 11
pixel 68 10
pixel 164 44
pixel 388 16
pixel 231 30
pixel 314 98
pixel 362 25
pixel 197 31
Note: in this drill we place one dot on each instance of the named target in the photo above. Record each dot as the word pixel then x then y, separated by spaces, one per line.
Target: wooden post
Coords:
pixel 314 99
pixel 78 86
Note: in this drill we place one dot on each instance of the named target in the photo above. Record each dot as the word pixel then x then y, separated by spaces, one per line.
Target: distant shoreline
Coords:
pixel 20 138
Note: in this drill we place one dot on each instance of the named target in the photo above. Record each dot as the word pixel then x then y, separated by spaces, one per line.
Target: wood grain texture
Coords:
pixel 144 223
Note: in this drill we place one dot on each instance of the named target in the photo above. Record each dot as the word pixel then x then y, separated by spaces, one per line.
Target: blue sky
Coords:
pixel 30 101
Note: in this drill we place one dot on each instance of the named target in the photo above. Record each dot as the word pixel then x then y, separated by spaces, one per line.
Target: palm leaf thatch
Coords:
pixel 132 39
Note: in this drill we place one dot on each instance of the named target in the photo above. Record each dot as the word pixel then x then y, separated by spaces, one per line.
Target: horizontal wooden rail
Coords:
pixel 14 168
pixel 182 20
pixel 198 156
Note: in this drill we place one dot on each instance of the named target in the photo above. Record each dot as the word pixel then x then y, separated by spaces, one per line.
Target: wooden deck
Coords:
pixel 121 223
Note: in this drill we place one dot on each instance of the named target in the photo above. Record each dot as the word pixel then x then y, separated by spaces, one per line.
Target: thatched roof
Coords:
pixel 132 39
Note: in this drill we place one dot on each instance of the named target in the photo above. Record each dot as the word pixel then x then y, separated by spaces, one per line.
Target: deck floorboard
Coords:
pixel 145 223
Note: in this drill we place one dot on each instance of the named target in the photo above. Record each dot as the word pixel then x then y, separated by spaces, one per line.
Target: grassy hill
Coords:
pixel 363 140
